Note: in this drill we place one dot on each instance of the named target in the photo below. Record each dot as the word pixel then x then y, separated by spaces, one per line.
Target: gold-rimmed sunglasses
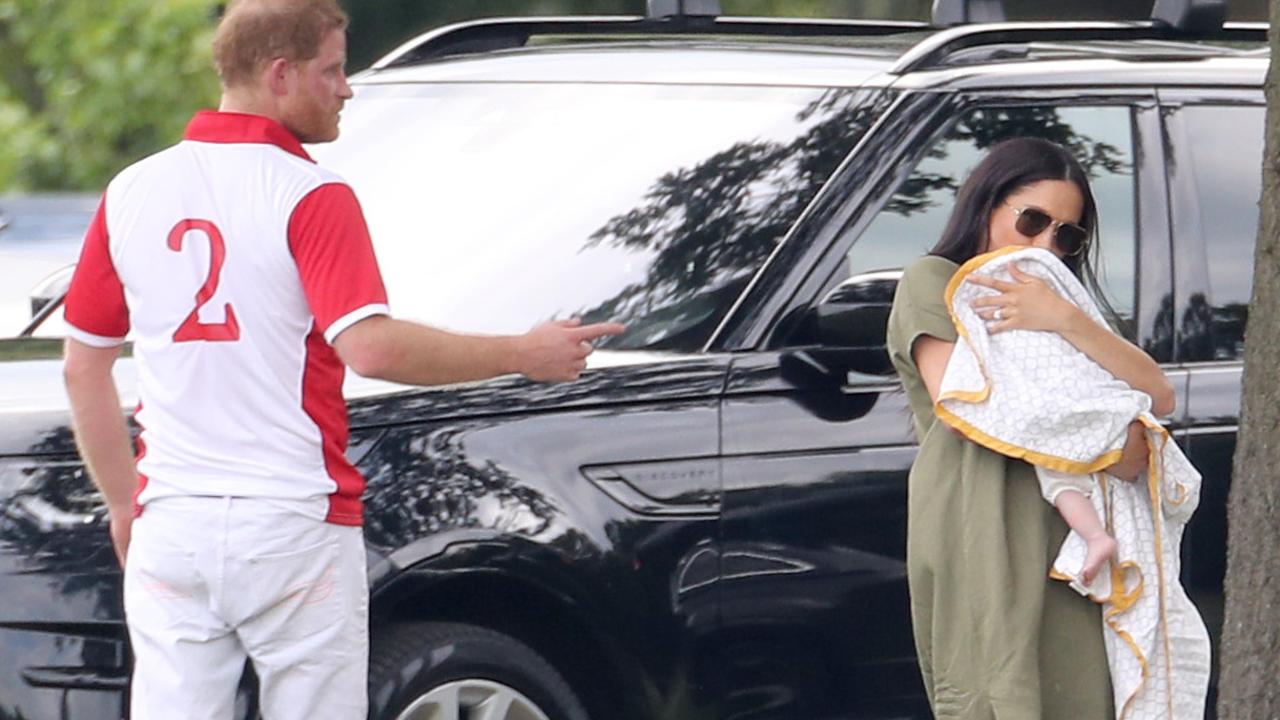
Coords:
pixel 1070 238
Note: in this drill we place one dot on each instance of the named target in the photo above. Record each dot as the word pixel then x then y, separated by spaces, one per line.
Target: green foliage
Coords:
pixel 88 86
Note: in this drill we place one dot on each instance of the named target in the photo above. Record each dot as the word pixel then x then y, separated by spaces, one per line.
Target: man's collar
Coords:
pixel 231 127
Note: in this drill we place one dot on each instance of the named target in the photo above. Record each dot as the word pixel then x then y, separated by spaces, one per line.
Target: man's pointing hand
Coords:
pixel 557 351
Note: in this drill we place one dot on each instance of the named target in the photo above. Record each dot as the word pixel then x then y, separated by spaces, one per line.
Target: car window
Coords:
pixel 494 206
pixel 1227 173
pixel 913 218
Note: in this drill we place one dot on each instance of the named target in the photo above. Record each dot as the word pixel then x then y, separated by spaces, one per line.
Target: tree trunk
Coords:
pixel 1250 682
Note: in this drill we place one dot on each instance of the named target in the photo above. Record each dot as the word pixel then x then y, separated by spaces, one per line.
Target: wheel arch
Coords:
pixel 530 604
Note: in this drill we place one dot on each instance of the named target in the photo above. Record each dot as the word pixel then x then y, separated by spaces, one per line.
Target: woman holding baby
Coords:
pixel 996 636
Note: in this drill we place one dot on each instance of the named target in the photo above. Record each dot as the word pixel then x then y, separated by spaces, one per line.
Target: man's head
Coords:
pixel 285 59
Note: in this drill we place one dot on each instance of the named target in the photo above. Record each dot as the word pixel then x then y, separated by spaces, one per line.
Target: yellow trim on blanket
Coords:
pixel 1164 437
pixel 953 285
pixel 1122 601
pixel 1157 519
pixel 1125 599
pixel 1008 449
pixel 1133 648
pixel 1157 522
pixel 973 397
pixel 972 264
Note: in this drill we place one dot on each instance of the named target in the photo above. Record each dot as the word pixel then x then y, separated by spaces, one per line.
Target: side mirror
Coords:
pixel 52 288
pixel 842 339
pixel 852 318
pixel 856 313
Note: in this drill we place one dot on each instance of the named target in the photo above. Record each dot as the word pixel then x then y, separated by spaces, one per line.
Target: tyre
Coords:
pixel 434 671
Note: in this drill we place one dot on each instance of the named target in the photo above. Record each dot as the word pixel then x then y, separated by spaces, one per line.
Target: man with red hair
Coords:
pixel 247 277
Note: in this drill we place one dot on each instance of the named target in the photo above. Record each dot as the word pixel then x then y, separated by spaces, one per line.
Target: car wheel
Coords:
pixel 439 671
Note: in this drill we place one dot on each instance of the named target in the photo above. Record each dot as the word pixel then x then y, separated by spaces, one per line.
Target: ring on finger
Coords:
pixel 998 315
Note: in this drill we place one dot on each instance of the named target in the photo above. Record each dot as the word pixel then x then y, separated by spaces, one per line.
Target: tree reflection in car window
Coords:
pixel 1100 137
pixel 713 225
pixel 496 206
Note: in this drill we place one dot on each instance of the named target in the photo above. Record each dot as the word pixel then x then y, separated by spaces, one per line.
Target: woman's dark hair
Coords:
pixel 1010 166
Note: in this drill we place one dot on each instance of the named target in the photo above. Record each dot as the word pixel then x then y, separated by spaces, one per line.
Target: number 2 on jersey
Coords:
pixel 192 329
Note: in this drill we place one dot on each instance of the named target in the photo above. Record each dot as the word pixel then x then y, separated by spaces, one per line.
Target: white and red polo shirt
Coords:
pixel 236 261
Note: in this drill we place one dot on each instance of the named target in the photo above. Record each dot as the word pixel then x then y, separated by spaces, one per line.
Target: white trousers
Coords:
pixel 210 582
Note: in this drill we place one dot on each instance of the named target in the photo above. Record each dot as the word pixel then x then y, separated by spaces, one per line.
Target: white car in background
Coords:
pixel 40 237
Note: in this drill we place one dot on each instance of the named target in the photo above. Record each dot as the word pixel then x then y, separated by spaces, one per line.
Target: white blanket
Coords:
pixel 1032 395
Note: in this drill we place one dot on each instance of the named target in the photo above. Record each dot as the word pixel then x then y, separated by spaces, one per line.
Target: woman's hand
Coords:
pixel 1133 459
pixel 1027 303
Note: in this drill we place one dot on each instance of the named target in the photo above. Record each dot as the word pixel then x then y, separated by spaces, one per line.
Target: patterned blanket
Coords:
pixel 1032 395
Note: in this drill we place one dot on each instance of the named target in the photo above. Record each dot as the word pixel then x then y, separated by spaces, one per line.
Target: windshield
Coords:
pixel 496 206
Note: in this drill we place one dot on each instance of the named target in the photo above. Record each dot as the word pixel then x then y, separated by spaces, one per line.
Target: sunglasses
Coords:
pixel 1070 238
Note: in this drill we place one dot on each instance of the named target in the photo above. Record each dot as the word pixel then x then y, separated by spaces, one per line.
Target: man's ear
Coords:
pixel 278 75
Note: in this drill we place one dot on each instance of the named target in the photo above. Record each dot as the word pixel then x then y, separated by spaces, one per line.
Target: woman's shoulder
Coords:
pixel 931 266
pixel 927 276
pixel 919 306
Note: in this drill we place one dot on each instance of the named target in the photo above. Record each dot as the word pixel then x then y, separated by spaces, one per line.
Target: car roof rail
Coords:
pixel 1171 20
pixel 1192 17
pixel 478 36
pixel 933 51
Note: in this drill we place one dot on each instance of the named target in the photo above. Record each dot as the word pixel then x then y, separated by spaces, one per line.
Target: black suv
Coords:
pixel 710 524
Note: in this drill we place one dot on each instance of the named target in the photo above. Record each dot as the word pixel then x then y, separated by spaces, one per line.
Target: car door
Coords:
pixel 1215 182
pixel 815 604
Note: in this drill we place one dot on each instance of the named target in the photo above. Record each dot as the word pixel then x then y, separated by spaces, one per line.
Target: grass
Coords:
pixel 30 349
pixel 15 349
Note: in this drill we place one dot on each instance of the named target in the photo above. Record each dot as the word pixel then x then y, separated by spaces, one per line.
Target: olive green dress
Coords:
pixel 997 639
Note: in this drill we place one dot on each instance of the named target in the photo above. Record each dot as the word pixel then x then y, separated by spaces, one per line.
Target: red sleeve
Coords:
pixel 330 243
pixel 95 303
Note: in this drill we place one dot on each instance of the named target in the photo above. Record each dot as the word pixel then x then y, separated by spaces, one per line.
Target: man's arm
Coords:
pixel 414 354
pixel 102 435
